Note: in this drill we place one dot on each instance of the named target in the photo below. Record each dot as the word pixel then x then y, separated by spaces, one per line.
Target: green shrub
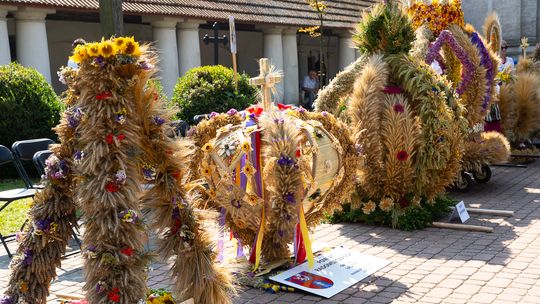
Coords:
pixel 209 89
pixel 29 108
pixel 412 217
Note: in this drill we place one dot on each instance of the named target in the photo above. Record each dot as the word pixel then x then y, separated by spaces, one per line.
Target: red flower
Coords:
pixel 127 251
pixel 298 153
pixel 121 137
pixel 283 106
pixel 399 108
pixel 109 138
pixel 176 174
pixel 255 110
pixel 402 155
pixel 114 296
pixel 104 95
pixel 403 203
pixel 112 187
pixel 392 90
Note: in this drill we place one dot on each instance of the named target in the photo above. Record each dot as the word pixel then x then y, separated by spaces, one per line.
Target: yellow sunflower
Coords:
pixel 252 199
pixel 206 171
pixel 211 193
pixel 248 170
pixel 107 49
pixel 120 43
pixel 386 204
pixel 132 47
pixel 93 49
pixel 79 54
pixel 208 147
pixel 246 147
pixel 369 207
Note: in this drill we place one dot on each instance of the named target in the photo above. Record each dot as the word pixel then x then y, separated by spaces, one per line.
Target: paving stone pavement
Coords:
pixel 428 266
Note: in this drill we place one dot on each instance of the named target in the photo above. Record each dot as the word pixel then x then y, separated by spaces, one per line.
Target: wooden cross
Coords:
pixel 216 41
pixel 266 79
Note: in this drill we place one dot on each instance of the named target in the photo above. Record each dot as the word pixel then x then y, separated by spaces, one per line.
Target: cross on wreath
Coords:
pixel 267 79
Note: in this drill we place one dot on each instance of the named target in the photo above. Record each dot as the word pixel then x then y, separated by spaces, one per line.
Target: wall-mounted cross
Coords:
pixel 216 41
pixel 266 79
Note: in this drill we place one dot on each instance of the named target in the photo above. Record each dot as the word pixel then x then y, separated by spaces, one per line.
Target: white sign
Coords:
pixel 333 272
pixel 232 34
pixel 462 212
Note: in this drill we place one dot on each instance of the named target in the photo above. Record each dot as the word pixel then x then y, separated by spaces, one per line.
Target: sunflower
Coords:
pixel 386 204
pixel 206 171
pixel 248 170
pixel 79 54
pixel 120 43
pixel 132 47
pixel 93 49
pixel 252 199
pixel 369 207
pixel 107 49
pixel 208 147
pixel 246 147
pixel 211 193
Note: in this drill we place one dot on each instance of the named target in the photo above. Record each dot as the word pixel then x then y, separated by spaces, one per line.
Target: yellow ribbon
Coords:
pixel 305 237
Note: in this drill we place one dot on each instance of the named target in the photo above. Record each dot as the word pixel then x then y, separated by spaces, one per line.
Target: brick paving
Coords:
pixel 428 266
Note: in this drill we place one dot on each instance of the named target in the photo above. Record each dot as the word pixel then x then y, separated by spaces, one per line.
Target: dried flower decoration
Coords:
pixel 369 207
pixel 248 170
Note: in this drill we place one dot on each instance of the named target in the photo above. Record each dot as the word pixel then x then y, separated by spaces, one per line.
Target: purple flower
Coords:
pixel 99 61
pixel 28 256
pixel 232 112
pixel 279 120
pixel 176 213
pixel 158 121
pixel 7 300
pixel 236 203
pixel 213 114
pixel 286 161
pixel 120 118
pixel 301 110
pixel 148 173
pixel 78 155
pixel 75 118
pixel 281 233
pixel 359 149
pixel 289 198
pixel 145 65
pixel 488 65
pixel 324 113
pixel 44 224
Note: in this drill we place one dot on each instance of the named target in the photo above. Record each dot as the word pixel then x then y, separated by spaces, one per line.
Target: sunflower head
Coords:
pixel 369 207
pixel 207 148
pixel 248 170
pixel 246 147
pixel 93 49
pixel 206 171
pixel 107 49
pixel 132 47
pixel 79 54
pixel 211 193
pixel 120 44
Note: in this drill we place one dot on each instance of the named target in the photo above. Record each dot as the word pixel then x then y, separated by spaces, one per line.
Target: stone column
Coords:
pixel 346 51
pixel 31 40
pixel 5 56
pixel 164 32
pixel 189 50
pixel 290 67
pixel 273 49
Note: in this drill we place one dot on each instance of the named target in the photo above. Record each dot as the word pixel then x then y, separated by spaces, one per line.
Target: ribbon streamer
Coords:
pixel 305 237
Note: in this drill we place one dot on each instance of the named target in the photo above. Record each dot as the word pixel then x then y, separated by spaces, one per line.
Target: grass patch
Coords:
pixel 14 215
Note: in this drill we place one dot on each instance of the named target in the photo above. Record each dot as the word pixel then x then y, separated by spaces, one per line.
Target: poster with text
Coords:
pixel 333 272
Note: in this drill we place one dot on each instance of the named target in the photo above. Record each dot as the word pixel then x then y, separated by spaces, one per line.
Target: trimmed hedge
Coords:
pixel 209 89
pixel 29 108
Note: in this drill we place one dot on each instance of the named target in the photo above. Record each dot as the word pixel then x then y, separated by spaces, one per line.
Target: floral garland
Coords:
pixel 487 63
pixel 121 49
pixel 468 68
pixel 437 14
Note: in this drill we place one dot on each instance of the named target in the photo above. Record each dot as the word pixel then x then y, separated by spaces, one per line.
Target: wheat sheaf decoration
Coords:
pixel 116 136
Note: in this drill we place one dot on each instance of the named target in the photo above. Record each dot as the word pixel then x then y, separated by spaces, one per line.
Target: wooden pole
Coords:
pixel 491 212
pixel 235 69
pixel 111 18
pixel 462 227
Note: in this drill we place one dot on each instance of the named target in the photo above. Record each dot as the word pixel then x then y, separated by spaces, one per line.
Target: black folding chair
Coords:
pixel 8 196
pixel 39 161
pixel 24 150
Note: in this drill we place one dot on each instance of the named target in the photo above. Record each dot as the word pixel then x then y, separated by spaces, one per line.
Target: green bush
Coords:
pixel 411 218
pixel 29 108
pixel 209 89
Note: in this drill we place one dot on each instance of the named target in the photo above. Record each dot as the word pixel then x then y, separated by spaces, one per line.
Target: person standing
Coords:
pixel 506 62
pixel 310 86
pixel 72 64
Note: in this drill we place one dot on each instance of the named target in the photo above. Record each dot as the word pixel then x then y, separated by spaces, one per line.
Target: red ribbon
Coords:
pixel 255 110
pixel 104 95
pixel 284 106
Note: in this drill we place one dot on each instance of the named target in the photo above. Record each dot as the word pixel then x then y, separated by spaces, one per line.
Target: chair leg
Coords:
pixel 5 246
